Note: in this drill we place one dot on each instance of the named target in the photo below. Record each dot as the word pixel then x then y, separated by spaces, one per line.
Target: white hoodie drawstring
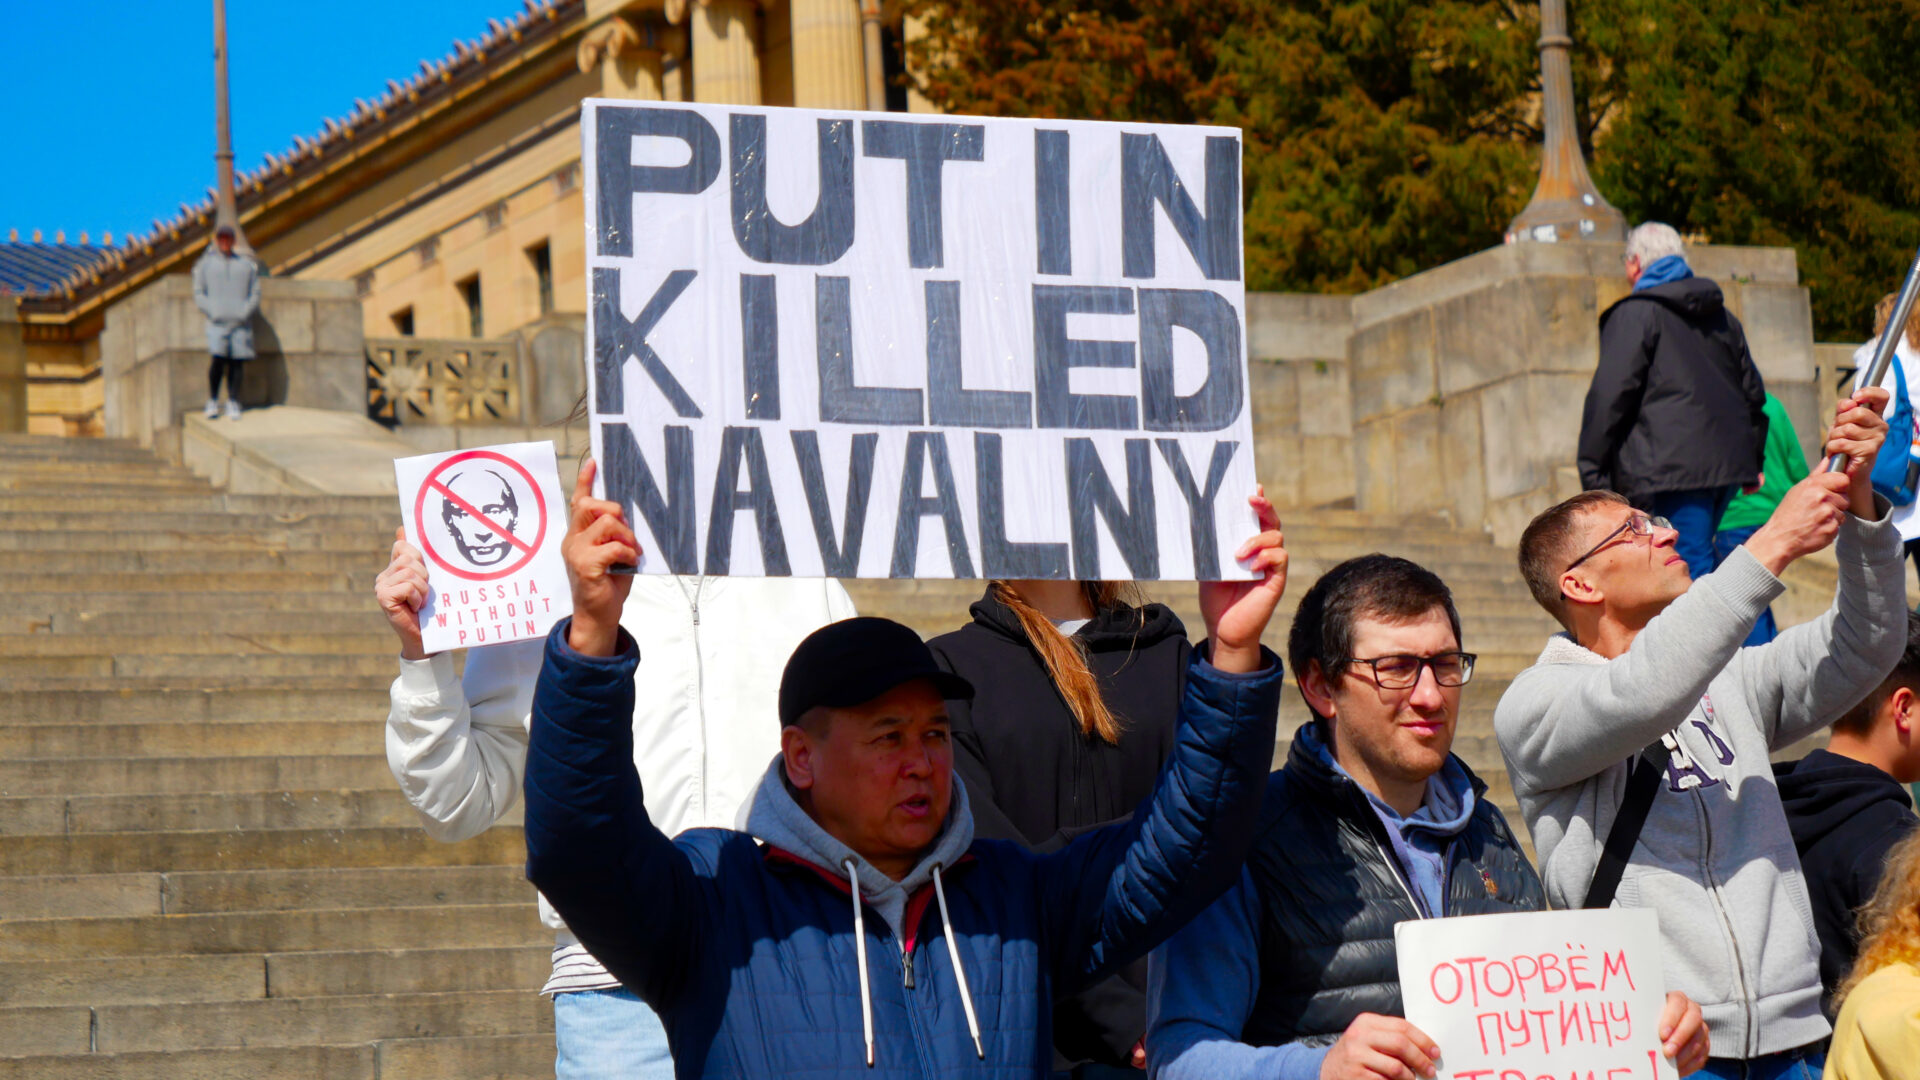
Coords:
pixel 860 950
pixel 959 972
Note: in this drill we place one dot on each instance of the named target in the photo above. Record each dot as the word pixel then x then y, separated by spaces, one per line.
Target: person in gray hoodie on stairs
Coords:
pixel 1651 676
pixel 226 288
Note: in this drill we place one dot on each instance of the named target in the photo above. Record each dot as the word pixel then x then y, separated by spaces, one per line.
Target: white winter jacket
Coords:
pixel 705 724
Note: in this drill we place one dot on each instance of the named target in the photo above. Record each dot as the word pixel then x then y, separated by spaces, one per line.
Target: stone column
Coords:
pixel 723 36
pixel 630 54
pixel 13 367
pixel 828 69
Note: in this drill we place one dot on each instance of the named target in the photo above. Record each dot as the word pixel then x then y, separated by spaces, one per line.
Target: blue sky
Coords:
pixel 110 102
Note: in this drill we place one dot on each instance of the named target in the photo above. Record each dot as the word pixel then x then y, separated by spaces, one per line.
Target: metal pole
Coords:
pixel 225 208
pixel 876 69
pixel 1889 341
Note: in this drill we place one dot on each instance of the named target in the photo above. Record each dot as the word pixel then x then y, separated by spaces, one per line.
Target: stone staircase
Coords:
pixel 205 868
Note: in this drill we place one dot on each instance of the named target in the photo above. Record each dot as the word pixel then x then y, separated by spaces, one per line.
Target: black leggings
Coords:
pixel 231 366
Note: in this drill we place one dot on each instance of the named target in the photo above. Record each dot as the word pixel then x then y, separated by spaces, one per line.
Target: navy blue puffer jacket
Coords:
pixel 750 954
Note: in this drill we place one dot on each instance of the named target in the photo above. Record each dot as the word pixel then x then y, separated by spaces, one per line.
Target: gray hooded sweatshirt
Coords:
pixel 1715 859
pixel 227 290
pixel 774 817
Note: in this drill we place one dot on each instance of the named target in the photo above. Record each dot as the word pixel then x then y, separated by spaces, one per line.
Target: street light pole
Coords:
pixel 226 211
pixel 1566 207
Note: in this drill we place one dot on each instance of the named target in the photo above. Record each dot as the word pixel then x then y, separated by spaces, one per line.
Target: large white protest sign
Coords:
pixel 1566 995
pixel 488 523
pixel 851 344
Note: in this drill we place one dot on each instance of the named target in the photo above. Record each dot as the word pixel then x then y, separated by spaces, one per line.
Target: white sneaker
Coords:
pixel 233 409
pixel 212 410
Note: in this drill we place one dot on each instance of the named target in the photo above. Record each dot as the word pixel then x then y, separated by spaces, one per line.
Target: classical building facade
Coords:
pixel 451 199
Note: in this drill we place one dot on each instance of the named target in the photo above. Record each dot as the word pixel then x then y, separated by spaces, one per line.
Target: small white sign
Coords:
pixel 1552 993
pixel 489 523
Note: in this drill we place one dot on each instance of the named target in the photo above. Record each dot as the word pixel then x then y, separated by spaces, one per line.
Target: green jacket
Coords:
pixel 1785 466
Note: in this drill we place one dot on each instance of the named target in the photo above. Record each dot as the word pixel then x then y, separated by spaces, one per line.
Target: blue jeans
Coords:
pixel 1724 541
pixel 1696 515
pixel 1806 1063
pixel 608 1034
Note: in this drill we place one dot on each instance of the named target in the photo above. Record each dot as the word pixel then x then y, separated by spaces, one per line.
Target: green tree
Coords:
pixel 1770 122
pixel 1383 137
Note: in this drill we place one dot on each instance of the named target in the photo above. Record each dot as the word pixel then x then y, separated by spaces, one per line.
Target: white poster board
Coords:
pixel 1554 993
pixel 488 522
pixel 885 345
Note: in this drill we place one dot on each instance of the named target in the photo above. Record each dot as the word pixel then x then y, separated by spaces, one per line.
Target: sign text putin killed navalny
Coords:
pixel 879 345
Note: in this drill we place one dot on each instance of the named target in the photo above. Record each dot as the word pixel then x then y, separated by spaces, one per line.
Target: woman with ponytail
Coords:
pixel 1077 692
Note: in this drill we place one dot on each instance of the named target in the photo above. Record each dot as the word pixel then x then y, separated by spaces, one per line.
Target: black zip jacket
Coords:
pixel 1845 816
pixel 1330 896
pixel 1031 775
pixel 1676 403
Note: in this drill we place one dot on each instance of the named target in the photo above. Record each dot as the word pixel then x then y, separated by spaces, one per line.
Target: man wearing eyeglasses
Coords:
pixel 1650 679
pixel 1372 821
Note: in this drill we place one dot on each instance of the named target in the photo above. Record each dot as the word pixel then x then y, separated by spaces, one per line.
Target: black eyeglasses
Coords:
pixel 1401 672
pixel 1639 525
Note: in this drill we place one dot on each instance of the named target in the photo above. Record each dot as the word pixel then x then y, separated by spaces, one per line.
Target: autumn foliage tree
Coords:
pixel 1385 137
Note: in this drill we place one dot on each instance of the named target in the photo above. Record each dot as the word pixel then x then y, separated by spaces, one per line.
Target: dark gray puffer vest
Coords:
pixel 1330 896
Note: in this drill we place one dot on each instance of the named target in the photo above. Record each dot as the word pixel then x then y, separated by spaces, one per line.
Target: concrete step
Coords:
pixel 307 699
pixel 311 1021
pixel 78 606
pixel 472 1057
pixel 213 502
pixel 196 683
pixel 136 521
pixel 198 667
pixel 340 809
pixel 386 886
pixel 122 774
pixel 207 892
pixel 346 735
pixel 175 582
pixel 242 562
pixel 335 1062
pixel 355 929
pixel 190 638
pixel 278 537
pixel 164 980
pixel 253 623
pixel 276 849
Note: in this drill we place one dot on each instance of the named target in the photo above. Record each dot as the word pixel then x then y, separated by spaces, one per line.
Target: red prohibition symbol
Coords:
pixel 435 484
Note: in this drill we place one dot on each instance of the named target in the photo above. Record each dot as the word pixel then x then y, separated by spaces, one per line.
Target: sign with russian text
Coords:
pixel 885 345
pixel 488 522
pixel 1566 995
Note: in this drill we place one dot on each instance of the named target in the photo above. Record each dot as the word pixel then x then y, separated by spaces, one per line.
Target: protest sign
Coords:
pixel 1566 995
pixel 489 523
pixel 843 344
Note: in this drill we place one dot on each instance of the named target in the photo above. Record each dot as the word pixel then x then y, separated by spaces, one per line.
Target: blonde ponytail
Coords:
pixel 1066 659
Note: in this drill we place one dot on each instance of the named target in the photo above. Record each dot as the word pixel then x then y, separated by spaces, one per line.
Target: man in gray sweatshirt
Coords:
pixel 226 286
pixel 1651 656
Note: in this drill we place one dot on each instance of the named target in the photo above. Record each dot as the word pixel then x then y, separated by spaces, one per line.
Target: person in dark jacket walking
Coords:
pixel 1848 808
pixel 1372 821
pixel 859 927
pixel 1077 699
pixel 1675 418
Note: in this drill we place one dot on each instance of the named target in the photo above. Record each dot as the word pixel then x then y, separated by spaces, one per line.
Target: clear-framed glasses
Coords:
pixel 1401 672
pixel 1639 525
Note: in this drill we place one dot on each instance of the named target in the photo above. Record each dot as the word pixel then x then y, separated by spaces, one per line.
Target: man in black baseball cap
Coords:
pixel 856 927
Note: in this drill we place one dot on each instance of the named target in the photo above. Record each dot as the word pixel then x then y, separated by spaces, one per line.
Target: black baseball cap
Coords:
pixel 853 661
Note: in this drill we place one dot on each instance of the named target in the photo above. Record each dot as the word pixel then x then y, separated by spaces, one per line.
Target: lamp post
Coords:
pixel 1566 207
pixel 225 210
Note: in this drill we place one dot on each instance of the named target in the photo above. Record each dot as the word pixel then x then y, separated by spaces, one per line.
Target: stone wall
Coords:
pixel 1302 416
pixel 1467 380
pixel 153 356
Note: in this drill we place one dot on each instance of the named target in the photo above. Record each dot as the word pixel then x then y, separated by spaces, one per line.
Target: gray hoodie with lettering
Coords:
pixel 1715 860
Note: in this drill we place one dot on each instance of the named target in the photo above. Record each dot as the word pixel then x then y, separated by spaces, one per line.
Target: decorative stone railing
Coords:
pixel 441 381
